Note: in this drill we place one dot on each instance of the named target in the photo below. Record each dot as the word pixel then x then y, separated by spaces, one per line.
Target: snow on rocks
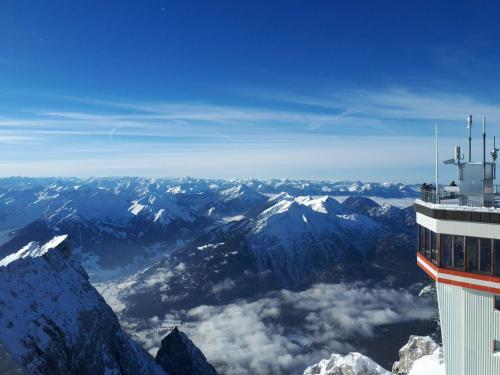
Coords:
pixel 53 321
pixel 420 356
pixel 33 249
pixel 351 364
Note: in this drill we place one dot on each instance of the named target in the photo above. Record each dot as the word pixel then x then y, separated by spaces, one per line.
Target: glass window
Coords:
pixel 496 244
pixel 428 242
pixel 434 247
pixel 458 252
pixel 497 302
pixel 446 250
pixel 421 239
pixel 496 346
pixel 472 253
pixel 485 255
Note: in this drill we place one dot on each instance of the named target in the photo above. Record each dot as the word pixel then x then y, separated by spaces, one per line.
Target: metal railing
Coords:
pixel 462 199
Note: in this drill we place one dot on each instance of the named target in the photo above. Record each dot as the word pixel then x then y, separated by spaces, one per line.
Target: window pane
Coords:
pixel 422 239
pixel 497 302
pixel 458 252
pixel 472 253
pixel 433 247
pixel 446 250
pixel 496 346
pixel 485 255
pixel 428 243
pixel 497 257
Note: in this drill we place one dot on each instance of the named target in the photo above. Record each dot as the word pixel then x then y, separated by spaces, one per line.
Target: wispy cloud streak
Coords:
pixel 350 132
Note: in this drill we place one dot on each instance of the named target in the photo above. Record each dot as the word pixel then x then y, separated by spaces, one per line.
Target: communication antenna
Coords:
pixel 484 148
pixel 494 156
pixel 458 155
pixel 437 158
pixel 469 126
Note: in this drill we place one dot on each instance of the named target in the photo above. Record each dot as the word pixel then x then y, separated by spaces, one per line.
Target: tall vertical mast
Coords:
pixel 469 126
pixel 437 164
pixel 484 150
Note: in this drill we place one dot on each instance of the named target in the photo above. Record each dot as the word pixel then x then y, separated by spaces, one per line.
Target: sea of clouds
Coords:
pixel 286 331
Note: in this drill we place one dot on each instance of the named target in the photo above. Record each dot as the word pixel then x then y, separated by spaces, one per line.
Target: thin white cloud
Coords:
pixel 397 104
pixel 355 132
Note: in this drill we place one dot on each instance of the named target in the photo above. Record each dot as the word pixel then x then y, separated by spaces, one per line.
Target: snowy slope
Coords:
pixel 122 224
pixel 54 319
pixel 295 242
pixel 234 201
pixel 293 236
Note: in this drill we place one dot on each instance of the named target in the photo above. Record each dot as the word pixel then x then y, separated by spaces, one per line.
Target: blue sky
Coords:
pixel 295 89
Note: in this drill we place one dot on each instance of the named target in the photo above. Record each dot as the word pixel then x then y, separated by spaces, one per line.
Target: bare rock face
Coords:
pixel 179 356
pixel 351 364
pixel 416 348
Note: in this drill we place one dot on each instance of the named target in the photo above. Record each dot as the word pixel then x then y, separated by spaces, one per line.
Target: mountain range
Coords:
pixel 162 250
pixel 117 224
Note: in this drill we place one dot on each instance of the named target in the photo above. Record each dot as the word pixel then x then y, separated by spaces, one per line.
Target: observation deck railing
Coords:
pixel 457 198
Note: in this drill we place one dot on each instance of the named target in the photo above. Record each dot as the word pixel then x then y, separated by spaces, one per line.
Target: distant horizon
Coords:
pixel 213 179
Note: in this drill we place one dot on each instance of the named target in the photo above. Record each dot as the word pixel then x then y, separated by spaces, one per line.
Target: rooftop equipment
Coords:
pixel 475 178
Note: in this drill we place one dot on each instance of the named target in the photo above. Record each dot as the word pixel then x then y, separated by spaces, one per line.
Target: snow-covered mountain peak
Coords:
pixel 239 192
pixel 33 249
pixel 298 209
pixel 235 191
pixel 285 214
pixel 322 205
pixel 281 196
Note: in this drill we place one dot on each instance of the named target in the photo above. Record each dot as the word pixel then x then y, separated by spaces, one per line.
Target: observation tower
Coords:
pixel 459 248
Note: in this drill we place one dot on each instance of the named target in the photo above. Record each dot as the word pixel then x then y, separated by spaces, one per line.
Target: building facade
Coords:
pixel 459 248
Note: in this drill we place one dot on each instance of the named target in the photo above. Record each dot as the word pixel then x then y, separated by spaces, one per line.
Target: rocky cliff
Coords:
pixel 53 321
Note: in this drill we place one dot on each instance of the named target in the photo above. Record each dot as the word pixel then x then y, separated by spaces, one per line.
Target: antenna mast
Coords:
pixel 469 126
pixel 437 167
pixel 484 149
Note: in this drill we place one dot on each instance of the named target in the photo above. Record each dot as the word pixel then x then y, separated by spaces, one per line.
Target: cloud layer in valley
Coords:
pixel 286 331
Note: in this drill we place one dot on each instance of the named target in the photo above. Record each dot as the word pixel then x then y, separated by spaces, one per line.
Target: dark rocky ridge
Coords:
pixel 178 355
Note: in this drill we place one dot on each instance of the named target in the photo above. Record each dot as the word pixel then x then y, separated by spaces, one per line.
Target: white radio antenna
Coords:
pixel 437 164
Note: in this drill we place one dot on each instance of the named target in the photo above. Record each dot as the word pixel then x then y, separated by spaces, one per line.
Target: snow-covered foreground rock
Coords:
pixel 420 356
pixel 351 364
pixel 54 322
pixel 420 350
